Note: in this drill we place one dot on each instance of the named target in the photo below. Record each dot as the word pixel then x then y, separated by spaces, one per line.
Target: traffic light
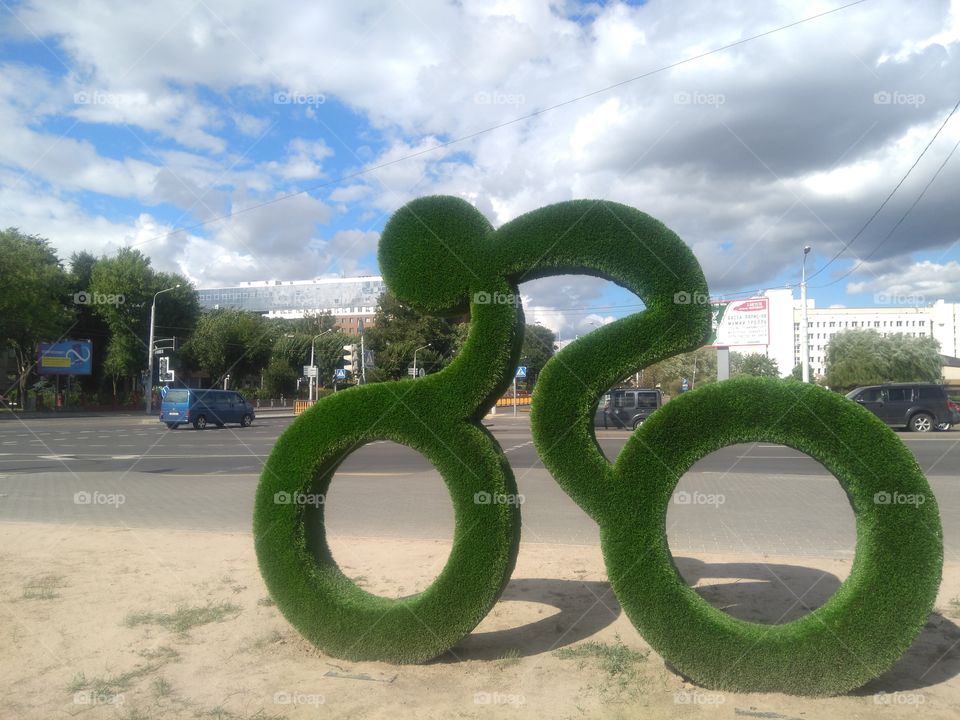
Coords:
pixel 350 358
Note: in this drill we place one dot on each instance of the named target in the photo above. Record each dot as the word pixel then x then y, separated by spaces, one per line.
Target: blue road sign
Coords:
pixel 684 385
pixel 340 374
pixel 522 371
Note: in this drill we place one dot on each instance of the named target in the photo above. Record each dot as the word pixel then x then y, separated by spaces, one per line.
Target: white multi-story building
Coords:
pixel 350 300
pixel 785 314
pixel 824 323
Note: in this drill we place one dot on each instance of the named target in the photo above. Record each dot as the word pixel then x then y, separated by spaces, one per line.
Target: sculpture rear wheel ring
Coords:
pixel 869 621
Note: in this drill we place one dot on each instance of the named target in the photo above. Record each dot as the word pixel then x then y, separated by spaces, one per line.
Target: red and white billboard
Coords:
pixel 740 322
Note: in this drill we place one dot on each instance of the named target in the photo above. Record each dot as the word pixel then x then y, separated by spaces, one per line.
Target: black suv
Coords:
pixel 921 407
pixel 627 407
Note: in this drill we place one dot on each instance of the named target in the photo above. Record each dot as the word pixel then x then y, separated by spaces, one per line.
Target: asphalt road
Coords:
pixel 134 472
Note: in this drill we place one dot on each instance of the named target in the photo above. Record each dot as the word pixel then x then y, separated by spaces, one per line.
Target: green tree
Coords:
pixel 400 329
pixel 699 367
pixel 865 357
pixel 797 373
pixel 293 350
pixel 311 324
pixel 754 364
pixel 33 306
pixel 234 342
pixel 537 350
pixel 121 292
pixel 88 324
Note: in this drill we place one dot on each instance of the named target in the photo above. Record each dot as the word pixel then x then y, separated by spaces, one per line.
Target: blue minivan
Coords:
pixel 204 407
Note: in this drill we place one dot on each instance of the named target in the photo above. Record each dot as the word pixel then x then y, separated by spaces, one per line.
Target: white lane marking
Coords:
pixel 770 457
pixel 124 457
pixel 517 447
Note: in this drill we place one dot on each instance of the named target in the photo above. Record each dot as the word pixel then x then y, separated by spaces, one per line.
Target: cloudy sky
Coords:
pixel 168 126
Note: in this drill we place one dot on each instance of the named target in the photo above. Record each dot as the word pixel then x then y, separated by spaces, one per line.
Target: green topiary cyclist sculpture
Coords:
pixel 440 255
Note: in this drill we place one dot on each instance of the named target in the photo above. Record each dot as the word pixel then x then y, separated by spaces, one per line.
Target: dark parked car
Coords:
pixel 921 407
pixel 627 407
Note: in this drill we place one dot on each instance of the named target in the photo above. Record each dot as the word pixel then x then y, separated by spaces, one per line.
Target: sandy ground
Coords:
pixel 88 628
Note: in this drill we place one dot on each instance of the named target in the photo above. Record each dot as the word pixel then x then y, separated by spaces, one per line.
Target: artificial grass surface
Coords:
pixel 439 255
pixel 871 619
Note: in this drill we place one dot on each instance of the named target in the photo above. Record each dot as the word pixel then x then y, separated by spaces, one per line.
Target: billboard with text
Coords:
pixel 69 357
pixel 740 322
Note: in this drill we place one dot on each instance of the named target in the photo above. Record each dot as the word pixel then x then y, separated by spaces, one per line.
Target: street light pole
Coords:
pixel 424 347
pixel 313 378
pixel 804 334
pixel 148 385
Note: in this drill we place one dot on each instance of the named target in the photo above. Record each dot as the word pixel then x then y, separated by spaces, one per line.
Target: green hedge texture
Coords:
pixel 874 615
pixel 440 256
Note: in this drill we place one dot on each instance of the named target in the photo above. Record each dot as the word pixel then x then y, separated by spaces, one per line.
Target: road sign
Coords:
pixel 522 371
pixel 684 385
pixel 420 371
pixel 310 371
pixel 340 374
pixel 165 374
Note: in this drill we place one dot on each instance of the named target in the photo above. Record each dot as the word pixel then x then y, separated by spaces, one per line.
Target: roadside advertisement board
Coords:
pixel 70 357
pixel 740 322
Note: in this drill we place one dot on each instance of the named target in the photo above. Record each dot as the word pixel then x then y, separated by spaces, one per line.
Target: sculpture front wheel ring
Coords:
pixel 325 605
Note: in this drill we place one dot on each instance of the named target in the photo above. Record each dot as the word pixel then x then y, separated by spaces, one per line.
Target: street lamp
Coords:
pixel 313 378
pixel 423 347
pixel 804 336
pixel 148 389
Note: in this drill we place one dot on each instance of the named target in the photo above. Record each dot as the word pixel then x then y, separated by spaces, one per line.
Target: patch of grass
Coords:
pixel 510 658
pixel 266 602
pixel 257 644
pixel 184 619
pixel 221 713
pixel 108 686
pixel 616 659
pixel 164 653
pixel 44 587
pixel 161 687
pixel 953 607
pixel 620 663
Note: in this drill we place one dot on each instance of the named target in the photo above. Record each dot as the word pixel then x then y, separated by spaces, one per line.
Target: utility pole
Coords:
pixel 804 334
pixel 148 385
